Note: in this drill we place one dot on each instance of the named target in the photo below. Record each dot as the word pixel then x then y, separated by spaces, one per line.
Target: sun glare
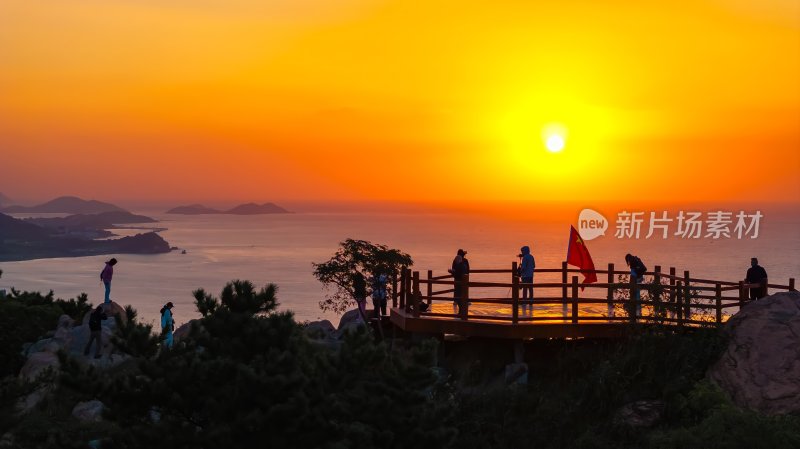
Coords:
pixel 555 143
pixel 554 136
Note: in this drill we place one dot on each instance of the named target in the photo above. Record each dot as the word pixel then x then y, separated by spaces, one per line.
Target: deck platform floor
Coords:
pixel 557 323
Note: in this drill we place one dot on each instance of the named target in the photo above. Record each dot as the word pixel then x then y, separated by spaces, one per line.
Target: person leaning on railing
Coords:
pixel 638 269
pixel 459 269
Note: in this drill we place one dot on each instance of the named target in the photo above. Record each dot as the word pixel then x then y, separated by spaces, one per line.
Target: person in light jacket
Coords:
pixel 167 324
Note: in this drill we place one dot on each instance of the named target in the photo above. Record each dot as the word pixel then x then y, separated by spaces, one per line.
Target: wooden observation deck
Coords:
pixel 565 309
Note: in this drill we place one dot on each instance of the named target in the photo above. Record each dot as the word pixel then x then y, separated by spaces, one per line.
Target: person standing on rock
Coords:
pixel 167 324
pixel 106 275
pixel 95 331
pixel 757 278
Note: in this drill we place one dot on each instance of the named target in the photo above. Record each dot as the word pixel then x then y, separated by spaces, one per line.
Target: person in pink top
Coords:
pixel 106 275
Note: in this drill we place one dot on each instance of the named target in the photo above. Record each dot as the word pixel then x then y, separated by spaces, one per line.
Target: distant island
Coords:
pixel 4 200
pixel 65 205
pixel 193 209
pixel 89 225
pixel 73 236
pixel 242 209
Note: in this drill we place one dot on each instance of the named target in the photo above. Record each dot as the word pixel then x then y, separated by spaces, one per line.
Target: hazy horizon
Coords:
pixel 358 204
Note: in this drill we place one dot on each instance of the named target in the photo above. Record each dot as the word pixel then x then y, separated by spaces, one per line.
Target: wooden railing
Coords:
pixel 671 298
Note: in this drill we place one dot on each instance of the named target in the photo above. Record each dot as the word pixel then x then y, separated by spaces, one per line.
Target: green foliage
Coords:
pixel 26 317
pixel 707 419
pixel 238 297
pixel 657 292
pixel 356 256
pixel 578 386
pixel 205 303
pixel 247 376
pixel 77 307
pixel 132 337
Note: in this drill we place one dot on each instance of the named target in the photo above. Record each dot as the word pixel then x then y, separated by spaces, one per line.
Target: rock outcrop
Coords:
pixel 760 369
pixel 320 329
pixel 89 411
pixel 72 339
pixel 350 321
pixel 38 363
pixel 185 329
pixel 640 414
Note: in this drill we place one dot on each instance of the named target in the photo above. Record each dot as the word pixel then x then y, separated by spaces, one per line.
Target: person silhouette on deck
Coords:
pixel 638 269
pixel 459 270
pixel 756 275
pixel 526 267
pixel 379 294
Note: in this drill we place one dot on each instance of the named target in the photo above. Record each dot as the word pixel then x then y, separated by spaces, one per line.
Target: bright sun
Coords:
pixel 555 143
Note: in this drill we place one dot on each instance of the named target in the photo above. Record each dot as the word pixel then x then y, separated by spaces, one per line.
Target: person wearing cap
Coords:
pixel 757 278
pixel 526 267
pixel 459 269
pixel 167 324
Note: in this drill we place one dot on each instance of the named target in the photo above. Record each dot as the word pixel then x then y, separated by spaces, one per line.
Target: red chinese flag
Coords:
pixel 578 255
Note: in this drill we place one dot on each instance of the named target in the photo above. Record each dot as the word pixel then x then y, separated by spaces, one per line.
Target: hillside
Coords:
pixel 23 240
pixel 14 229
pixel 257 209
pixel 193 209
pixel 242 209
pixel 66 205
pixel 103 220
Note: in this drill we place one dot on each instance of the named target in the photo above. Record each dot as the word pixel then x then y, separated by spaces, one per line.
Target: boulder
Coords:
pixel 89 411
pixel 351 321
pixel 29 402
pixel 65 321
pixel 183 330
pixel 110 309
pixel 352 316
pixel 350 327
pixel 760 368
pixel 640 414
pixel 72 340
pixel 37 364
pixel 40 346
pixel 516 374
pixel 320 329
pixel 7 441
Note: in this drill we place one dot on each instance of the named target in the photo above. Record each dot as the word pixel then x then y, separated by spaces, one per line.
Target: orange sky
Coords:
pixel 400 100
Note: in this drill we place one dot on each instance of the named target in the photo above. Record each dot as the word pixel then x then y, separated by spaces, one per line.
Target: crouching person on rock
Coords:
pixel 96 331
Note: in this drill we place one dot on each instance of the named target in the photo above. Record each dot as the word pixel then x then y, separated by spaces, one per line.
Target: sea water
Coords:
pixel 280 249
